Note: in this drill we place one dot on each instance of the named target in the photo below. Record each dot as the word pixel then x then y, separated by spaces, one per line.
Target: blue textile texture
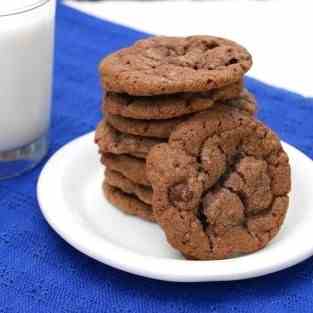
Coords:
pixel 39 272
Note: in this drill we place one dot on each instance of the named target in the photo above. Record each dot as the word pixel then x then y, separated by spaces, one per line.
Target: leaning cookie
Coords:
pixel 167 65
pixel 127 203
pixel 220 186
pixel 168 106
pixel 110 140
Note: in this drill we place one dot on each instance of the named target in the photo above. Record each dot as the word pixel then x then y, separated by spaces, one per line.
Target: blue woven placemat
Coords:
pixel 39 272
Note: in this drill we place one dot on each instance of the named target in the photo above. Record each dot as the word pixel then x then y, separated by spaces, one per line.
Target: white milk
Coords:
pixel 26 57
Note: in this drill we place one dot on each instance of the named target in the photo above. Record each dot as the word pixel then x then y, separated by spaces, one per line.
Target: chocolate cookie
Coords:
pixel 145 128
pixel 246 103
pixel 113 141
pixel 163 128
pixel 129 204
pixel 130 167
pixel 220 186
pixel 115 179
pixel 168 106
pixel 166 65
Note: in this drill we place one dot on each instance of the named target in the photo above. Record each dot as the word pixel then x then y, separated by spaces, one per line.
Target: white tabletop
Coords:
pixel 278 33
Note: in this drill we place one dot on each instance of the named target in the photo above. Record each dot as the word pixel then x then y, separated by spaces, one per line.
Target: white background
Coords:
pixel 278 33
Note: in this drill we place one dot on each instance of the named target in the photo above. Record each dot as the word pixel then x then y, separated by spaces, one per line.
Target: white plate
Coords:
pixel 70 196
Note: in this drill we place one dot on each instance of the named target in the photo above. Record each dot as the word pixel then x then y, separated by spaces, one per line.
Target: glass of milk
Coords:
pixel 26 62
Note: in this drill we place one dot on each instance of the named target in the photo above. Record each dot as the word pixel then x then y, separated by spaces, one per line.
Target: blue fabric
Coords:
pixel 39 272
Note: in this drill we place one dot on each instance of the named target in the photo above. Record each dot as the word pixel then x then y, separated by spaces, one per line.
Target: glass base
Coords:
pixel 16 162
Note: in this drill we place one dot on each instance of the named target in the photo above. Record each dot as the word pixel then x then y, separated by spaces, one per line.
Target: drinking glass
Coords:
pixel 26 65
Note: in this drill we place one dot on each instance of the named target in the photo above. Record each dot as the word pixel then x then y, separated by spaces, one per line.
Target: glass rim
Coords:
pixel 24 9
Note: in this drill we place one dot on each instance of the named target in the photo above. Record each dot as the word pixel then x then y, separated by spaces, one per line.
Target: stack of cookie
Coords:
pixel 151 88
pixel 177 123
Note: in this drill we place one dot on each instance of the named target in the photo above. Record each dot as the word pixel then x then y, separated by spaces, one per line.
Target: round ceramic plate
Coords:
pixel 71 199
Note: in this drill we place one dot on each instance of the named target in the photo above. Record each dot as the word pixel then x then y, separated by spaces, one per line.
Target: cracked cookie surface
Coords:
pixel 166 65
pixel 220 186
pixel 167 106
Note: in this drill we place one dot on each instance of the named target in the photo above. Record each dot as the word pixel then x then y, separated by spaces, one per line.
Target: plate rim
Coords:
pixel 196 269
